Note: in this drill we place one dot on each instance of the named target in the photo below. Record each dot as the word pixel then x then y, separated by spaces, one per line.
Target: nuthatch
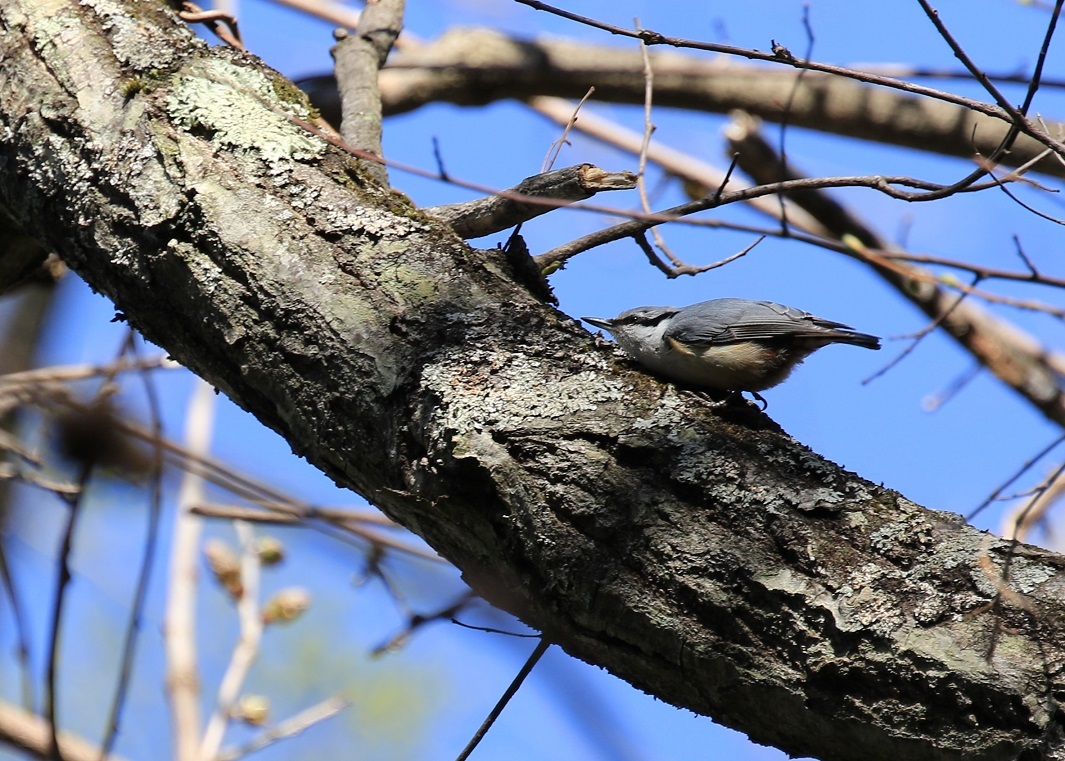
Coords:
pixel 726 344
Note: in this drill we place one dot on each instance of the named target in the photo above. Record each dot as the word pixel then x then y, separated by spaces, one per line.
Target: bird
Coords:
pixel 726 345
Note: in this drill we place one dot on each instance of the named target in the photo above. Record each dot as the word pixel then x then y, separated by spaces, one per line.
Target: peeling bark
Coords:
pixel 701 554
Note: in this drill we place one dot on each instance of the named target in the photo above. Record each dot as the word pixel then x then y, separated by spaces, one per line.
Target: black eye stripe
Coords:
pixel 643 319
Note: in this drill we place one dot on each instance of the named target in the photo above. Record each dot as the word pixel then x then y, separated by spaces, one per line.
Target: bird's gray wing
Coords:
pixel 735 320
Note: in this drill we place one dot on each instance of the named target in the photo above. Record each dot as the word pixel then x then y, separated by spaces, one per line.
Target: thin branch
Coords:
pixel 247 647
pixel 874 257
pixel 1020 472
pixel 349 520
pixel 929 191
pixel 415 621
pixel 786 116
pixel 289 513
pixel 68 373
pixel 1037 73
pixel 8 472
pixel 62 584
pixel 639 222
pixel 223 24
pixel 289 728
pixel 920 336
pixel 1027 207
pixel 21 629
pixel 140 595
pixel 901 70
pixel 934 402
pixel 1018 523
pixel 689 269
pixel 691 169
pixel 453 68
pixel 493 630
pixel 240 484
pixel 985 273
pixel 556 146
pixel 526 669
pixel 74 503
pixel 670 270
pixel 1018 116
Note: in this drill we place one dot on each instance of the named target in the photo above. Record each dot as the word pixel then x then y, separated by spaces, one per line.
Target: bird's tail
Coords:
pixel 852 337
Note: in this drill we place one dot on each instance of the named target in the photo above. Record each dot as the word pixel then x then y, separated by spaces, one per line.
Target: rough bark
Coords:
pixel 701 554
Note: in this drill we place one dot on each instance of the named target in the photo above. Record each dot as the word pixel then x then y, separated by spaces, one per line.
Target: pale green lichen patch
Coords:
pixel 238 106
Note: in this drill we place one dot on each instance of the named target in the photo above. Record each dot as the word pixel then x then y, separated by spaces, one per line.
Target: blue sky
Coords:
pixel 425 701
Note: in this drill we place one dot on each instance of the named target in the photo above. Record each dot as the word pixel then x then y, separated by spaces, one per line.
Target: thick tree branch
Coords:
pixel 479 66
pixel 701 554
pixel 781 55
pixel 359 57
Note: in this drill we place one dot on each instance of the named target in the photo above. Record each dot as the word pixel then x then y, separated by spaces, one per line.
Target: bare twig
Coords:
pixel 21 629
pixel 676 266
pixel 290 513
pixel 984 273
pixel 74 503
pixel 526 669
pixel 789 106
pixel 1017 115
pixel 240 484
pixel 1017 474
pixel 294 514
pixel 933 402
pixel 1017 523
pixel 62 584
pixel 493 630
pixel 638 222
pixel 556 146
pixel 67 373
pixel 689 168
pixel 920 336
pixel 8 472
pixel 140 596
pixel 417 620
pixel 453 68
pixel 289 728
pixel 689 269
pixel 221 23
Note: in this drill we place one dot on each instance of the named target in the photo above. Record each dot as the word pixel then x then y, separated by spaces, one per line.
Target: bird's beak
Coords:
pixel 600 322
